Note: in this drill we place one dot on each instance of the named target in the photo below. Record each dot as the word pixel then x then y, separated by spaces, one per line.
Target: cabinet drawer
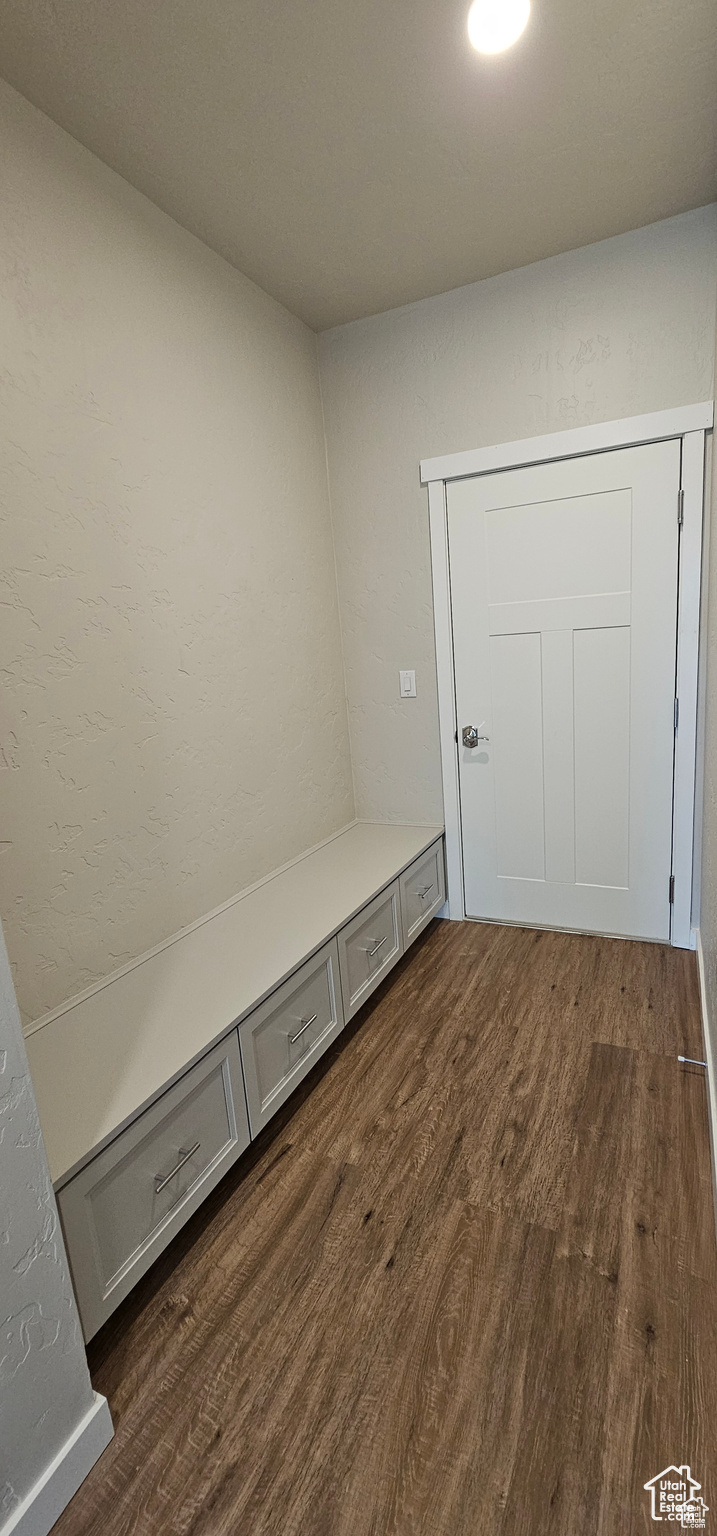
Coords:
pixel 283 1038
pixel 368 946
pixel 423 892
pixel 125 1206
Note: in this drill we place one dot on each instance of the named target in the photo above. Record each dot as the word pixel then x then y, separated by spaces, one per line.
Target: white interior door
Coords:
pixel 564 597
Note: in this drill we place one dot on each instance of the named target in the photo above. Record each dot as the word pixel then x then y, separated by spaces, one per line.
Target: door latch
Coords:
pixel 470 736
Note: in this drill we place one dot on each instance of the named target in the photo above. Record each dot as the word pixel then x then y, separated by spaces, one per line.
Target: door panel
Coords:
pixel 564 597
pixel 515 670
pixel 601 704
pixel 588 538
pixel 558 754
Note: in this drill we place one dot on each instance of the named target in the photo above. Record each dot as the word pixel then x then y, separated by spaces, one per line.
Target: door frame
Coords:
pixel 689 423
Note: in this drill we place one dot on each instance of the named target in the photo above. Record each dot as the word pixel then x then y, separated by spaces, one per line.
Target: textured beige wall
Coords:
pixel 616 329
pixel 171 687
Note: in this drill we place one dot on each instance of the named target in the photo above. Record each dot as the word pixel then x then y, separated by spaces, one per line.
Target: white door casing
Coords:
pixel 685 427
pixel 564 594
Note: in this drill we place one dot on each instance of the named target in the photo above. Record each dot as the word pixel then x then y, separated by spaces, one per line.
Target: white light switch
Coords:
pixel 407 685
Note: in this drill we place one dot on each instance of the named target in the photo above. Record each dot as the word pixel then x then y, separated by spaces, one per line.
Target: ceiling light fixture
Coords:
pixel 494 24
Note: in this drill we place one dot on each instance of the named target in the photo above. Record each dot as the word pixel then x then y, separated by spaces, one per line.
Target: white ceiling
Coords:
pixel 350 157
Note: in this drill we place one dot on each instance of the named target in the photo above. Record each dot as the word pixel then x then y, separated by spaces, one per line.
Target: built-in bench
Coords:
pixel 154 1081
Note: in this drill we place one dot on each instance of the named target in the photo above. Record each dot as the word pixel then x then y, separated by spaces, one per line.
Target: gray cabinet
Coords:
pixel 368 947
pixel 423 892
pixel 125 1206
pixel 283 1038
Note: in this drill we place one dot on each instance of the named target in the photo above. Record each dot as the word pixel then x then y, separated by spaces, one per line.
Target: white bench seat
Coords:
pixel 102 1059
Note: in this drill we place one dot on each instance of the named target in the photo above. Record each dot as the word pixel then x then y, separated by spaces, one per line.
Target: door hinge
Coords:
pixel 680 507
pixel 672 890
pixel 677 713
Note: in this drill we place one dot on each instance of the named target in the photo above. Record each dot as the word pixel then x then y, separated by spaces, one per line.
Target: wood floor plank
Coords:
pixel 520 1160
pixel 593 1217
pixel 443 1453
pixel 556 1486
pixel 664 1357
pixel 465 1281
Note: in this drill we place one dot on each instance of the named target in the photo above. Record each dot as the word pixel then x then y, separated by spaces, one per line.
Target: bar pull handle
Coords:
pixel 306 1023
pixel 161 1183
pixel 376 948
pixel 424 892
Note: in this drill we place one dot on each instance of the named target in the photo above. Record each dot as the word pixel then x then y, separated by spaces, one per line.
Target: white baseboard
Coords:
pixel 710 1044
pixel 52 1492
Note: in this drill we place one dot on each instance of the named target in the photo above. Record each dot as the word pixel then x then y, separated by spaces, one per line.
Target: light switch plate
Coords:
pixel 407 685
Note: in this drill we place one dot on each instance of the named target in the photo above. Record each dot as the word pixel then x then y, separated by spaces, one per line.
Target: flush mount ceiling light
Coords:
pixel 494 24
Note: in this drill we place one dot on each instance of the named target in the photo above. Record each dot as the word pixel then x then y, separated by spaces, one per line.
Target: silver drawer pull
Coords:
pixel 159 1182
pixel 306 1022
pixel 376 948
pixel 425 891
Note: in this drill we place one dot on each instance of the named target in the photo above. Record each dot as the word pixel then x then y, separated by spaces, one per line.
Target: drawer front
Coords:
pixel 283 1038
pixel 368 946
pixel 423 892
pixel 126 1205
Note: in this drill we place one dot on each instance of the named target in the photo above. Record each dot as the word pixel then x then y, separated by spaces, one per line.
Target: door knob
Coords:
pixel 470 736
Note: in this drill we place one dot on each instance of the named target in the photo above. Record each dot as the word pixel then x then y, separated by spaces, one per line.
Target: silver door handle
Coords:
pixel 306 1023
pixel 376 948
pixel 470 736
pixel 159 1182
pixel 425 891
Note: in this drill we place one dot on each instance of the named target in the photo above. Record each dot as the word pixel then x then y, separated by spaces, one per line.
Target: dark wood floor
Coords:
pixel 468 1282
